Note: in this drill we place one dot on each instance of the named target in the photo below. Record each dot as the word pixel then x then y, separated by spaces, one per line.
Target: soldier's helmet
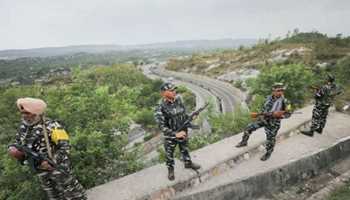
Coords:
pixel 167 86
pixel 280 86
pixel 330 78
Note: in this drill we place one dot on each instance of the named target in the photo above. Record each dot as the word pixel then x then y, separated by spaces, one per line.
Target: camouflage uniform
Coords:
pixel 270 124
pixel 170 117
pixel 324 98
pixel 55 183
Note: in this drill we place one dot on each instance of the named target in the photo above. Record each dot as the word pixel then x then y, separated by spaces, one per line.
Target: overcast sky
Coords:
pixel 42 23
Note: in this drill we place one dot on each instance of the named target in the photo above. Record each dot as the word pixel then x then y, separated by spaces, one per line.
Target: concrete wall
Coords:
pixel 278 179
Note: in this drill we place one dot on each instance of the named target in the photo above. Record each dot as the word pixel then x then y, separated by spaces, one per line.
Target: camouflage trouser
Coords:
pixel 271 128
pixel 170 145
pixel 59 186
pixel 319 117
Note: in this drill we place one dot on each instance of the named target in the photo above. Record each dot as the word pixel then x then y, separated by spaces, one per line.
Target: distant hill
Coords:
pixel 189 45
pixel 310 48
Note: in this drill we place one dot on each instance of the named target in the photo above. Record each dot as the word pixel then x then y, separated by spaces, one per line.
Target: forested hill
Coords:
pixel 313 49
pixel 35 65
pixel 187 45
pixel 298 60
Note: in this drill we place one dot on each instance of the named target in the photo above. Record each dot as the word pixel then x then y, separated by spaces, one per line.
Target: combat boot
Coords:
pixel 242 144
pixel 244 141
pixel 309 133
pixel 191 165
pixel 319 131
pixel 171 174
pixel 266 156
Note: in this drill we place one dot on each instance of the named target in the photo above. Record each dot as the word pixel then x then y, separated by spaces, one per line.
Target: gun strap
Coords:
pixel 46 136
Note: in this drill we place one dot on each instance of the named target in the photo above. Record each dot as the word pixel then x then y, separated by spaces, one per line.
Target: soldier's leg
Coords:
pixel 248 131
pixel 323 119
pixel 49 186
pixel 271 130
pixel 72 189
pixel 316 118
pixel 183 145
pixel 315 121
pixel 169 146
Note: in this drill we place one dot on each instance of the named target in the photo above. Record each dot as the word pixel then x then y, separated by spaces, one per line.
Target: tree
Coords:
pixel 296 77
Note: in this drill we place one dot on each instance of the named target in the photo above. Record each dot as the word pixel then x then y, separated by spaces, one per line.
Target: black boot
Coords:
pixel 191 165
pixel 309 133
pixel 266 156
pixel 320 130
pixel 171 174
pixel 244 141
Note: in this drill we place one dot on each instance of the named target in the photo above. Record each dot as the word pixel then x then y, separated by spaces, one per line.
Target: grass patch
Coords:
pixel 342 193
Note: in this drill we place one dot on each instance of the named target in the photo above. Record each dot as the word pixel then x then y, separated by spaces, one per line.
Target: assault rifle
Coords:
pixel 277 114
pixel 314 87
pixel 34 159
pixel 187 123
pixel 338 90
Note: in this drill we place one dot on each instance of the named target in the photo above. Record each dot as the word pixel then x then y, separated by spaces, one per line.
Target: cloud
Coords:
pixel 37 23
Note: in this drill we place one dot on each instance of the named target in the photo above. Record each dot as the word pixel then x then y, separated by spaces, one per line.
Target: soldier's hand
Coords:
pixel 181 135
pixel 46 166
pixel 278 114
pixel 15 153
pixel 194 117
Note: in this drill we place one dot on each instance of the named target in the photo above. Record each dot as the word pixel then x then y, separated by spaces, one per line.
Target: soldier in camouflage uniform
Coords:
pixel 170 114
pixel 324 97
pixel 276 107
pixel 59 184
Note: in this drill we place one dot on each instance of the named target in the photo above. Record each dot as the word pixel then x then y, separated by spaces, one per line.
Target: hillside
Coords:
pixel 188 45
pixel 312 49
pixel 309 55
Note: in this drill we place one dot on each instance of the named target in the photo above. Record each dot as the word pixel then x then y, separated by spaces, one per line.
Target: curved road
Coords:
pixel 202 94
pixel 227 96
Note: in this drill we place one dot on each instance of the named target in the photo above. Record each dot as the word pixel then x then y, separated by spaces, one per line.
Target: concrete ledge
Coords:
pixel 152 183
pixel 278 178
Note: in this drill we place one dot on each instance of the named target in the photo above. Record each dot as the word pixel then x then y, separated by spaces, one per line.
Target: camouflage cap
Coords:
pixel 167 86
pixel 278 85
pixel 330 78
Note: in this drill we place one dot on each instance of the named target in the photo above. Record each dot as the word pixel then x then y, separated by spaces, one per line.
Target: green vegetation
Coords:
pixel 341 193
pixel 96 109
pixel 296 77
pixel 342 71
pixel 299 60
pixel 26 70
pixel 297 71
pixel 97 104
pixel 188 97
pixel 309 49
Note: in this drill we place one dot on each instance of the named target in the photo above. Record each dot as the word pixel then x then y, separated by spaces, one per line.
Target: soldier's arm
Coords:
pixel 18 142
pixel 188 116
pixel 321 92
pixel 263 108
pixel 59 137
pixel 181 102
pixel 18 136
pixel 160 120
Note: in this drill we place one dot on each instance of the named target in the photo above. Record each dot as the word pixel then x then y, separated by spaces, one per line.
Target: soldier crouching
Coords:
pixel 275 108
